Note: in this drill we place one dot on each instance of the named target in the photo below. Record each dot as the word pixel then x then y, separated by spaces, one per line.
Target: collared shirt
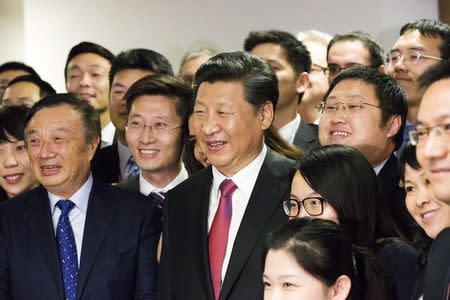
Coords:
pixel 245 181
pixel 289 130
pixel 77 216
pixel 124 156
pixel 378 168
pixel 146 187
pixel 108 135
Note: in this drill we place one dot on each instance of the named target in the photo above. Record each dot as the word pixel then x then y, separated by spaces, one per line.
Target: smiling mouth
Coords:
pixel 49 170
pixel 13 179
pixel 340 133
pixel 429 214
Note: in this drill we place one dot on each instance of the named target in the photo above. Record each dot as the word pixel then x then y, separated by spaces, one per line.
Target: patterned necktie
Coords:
pixel 158 197
pixel 218 234
pixel 67 250
pixel 132 168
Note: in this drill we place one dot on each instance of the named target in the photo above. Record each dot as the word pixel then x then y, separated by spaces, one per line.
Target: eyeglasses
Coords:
pixel 138 126
pixel 412 57
pixel 318 68
pixel 420 135
pixel 312 205
pixel 334 69
pixel 349 108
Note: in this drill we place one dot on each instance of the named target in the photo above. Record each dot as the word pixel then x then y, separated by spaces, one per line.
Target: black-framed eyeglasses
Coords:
pixel 312 205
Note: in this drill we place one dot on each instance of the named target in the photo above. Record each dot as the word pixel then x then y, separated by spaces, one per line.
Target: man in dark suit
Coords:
pixel 215 222
pixel 74 237
pixel 366 110
pixel 291 62
pixel 113 163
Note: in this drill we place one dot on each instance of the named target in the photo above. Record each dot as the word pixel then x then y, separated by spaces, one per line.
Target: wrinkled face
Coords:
pixel 300 190
pixel 406 73
pixel 154 135
pixel 56 147
pixel 120 85
pixel 431 214
pixel 190 67
pixel 198 153
pixel 346 54
pixel 288 87
pixel 15 171
pixel 359 129
pixel 285 279
pixel 87 76
pixel 229 130
pixel 433 151
pixel 26 93
pixel 7 76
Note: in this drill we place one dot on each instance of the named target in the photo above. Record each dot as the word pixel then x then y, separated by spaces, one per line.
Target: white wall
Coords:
pixel 51 27
pixel 11 31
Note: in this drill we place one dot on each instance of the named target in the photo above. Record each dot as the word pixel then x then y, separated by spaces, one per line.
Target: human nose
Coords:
pixel 340 115
pixel 46 150
pixel 422 197
pixel 85 79
pixel 209 124
pixel 10 160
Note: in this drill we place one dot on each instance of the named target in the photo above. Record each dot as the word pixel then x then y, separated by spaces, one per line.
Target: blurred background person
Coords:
pixel 192 60
pixel 11 70
pixel 27 89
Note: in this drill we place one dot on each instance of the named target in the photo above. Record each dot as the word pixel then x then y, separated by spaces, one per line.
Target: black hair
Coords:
pixel 45 89
pixel 15 65
pixel 376 52
pixel 90 118
pixel 11 122
pixel 296 53
pixel 438 72
pixel 88 47
pixel 142 59
pixel 391 97
pixel 431 28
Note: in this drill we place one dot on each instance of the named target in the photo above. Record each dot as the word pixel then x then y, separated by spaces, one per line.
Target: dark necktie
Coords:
pixel 218 234
pixel 67 250
pixel 131 168
pixel 158 197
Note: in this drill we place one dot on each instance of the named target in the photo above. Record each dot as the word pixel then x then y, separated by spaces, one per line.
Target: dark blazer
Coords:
pixel 185 271
pixel 306 136
pixel 118 256
pixel 437 270
pixel 131 183
pixel 106 164
pixel 393 196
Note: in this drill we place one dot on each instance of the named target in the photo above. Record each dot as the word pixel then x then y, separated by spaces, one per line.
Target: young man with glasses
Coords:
pixel 366 110
pixel 421 45
pixel 432 139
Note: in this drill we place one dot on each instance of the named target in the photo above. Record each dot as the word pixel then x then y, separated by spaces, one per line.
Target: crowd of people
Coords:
pixel 309 166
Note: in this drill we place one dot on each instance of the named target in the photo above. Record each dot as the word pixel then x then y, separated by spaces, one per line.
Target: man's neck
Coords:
pixel 412 113
pixel 121 137
pixel 308 112
pixel 160 179
pixel 284 115
pixel 104 118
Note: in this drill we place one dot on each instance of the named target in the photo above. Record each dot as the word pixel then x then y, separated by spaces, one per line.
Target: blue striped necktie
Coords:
pixel 67 250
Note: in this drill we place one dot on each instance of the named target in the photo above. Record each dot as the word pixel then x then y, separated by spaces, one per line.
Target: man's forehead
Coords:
pixel 414 39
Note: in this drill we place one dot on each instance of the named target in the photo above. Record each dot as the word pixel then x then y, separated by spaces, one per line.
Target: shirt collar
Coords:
pixel 146 187
pixel 289 130
pixel 80 198
pixel 245 179
pixel 378 168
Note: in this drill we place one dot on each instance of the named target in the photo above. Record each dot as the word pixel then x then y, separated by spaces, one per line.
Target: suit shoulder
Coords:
pixel 22 202
pixel 280 165
pixel 203 176
pixel 120 196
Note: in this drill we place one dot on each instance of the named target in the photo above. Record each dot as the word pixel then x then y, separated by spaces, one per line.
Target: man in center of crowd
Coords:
pixel 215 222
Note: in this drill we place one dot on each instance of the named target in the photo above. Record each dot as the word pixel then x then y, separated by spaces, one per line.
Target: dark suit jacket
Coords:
pixel 306 136
pixel 118 256
pixel 393 196
pixel 131 183
pixel 106 164
pixel 185 271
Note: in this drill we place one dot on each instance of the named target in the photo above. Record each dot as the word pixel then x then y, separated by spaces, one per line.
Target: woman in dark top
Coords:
pixel 337 183
pixel 431 215
pixel 15 171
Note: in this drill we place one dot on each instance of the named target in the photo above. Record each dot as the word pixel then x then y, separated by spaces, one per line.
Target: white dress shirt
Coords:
pixel 77 216
pixel 108 135
pixel 289 130
pixel 146 187
pixel 245 181
pixel 378 168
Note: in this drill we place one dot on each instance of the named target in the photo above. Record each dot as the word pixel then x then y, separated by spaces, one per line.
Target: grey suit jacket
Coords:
pixel 306 136
pixel 184 268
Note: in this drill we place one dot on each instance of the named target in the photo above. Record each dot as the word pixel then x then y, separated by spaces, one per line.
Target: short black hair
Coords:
pixel 90 118
pixel 376 52
pixel 88 47
pixel 407 156
pixel 142 59
pixel 435 73
pixel 431 28
pixel 11 122
pixel 45 89
pixel 15 65
pixel 391 97
pixel 297 54
pixel 163 85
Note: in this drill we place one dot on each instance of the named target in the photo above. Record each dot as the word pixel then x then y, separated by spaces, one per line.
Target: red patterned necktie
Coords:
pixel 218 234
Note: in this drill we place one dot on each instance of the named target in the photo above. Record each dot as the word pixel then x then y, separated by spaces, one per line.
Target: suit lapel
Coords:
pixel 40 224
pixel 98 220
pixel 265 199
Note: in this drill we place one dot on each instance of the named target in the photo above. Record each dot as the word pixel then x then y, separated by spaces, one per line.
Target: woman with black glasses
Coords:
pixel 337 183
